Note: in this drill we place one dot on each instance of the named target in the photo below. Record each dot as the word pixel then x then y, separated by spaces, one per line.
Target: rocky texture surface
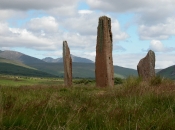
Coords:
pixel 104 71
pixel 67 65
pixel 146 66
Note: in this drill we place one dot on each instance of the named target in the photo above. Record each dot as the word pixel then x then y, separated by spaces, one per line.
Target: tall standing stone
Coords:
pixel 146 66
pixel 67 61
pixel 104 71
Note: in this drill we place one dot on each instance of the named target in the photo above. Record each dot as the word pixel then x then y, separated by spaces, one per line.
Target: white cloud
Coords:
pixel 85 11
pixel 127 60
pixel 44 24
pixel 165 60
pixel 86 24
pixel 137 6
pixel 159 31
pixel 15 37
pixel 32 4
pixel 155 18
pixel 9 14
pixel 131 60
pixel 4 30
pixel 158 46
pixel 79 28
pixel 117 33
pixel 63 11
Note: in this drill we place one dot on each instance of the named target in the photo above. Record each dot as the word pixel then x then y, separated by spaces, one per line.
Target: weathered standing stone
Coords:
pixel 104 70
pixel 67 60
pixel 146 66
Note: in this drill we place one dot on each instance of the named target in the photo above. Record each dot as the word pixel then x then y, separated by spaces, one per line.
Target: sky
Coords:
pixel 38 28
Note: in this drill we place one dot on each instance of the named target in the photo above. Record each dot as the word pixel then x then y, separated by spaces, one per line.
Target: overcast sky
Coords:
pixel 38 28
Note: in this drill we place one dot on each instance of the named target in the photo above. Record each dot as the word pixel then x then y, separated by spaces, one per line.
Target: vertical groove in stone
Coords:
pixel 104 71
pixel 67 61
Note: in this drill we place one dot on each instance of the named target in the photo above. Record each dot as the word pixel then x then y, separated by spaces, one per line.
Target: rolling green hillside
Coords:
pixel 11 69
pixel 168 72
pixel 82 70
pixel 3 60
pixel 124 72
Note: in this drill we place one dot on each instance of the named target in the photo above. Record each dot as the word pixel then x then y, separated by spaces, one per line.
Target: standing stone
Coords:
pixel 146 66
pixel 67 60
pixel 104 70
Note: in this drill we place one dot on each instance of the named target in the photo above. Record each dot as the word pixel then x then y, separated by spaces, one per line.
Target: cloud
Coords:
pixel 10 14
pixel 86 24
pixel 127 60
pixel 85 11
pixel 17 37
pixel 163 60
pixel 117 48
pixel 144 7
pixel 44 24
pixel 155 18
pixel 79 28
pixel 116 6
pixel 117 33
pixel 4 29
pixel 158 46
pixel 159 31
pixel 63 11
pixel 32 4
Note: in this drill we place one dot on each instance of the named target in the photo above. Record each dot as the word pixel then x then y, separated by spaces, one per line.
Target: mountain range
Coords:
pixel 20 64
pixel 74 59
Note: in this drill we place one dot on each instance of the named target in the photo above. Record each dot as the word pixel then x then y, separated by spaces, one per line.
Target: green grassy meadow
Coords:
pixel 45 104
pixel 18 81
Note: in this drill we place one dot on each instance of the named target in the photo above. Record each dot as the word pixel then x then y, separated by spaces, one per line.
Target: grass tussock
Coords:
pixel 134 104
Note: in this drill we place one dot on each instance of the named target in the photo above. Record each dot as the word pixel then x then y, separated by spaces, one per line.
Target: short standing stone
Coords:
pixel 67 61
pixel 104 71
pixel 146 66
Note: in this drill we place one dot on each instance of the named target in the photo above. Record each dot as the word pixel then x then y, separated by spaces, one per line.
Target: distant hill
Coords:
pixel 157 70
pixel 82 67
pixel 20 57
pixel 83 70
pixel 14 68
pixel 51 60
pixel 168 72
pixel 3 60
pixel 74 59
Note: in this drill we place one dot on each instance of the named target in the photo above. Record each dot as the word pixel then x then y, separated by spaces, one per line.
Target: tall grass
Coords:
pixel 1 108
pixel 132 105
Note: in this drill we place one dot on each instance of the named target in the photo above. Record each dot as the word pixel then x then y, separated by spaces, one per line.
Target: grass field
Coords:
pixel 17 81
pixel 44 104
